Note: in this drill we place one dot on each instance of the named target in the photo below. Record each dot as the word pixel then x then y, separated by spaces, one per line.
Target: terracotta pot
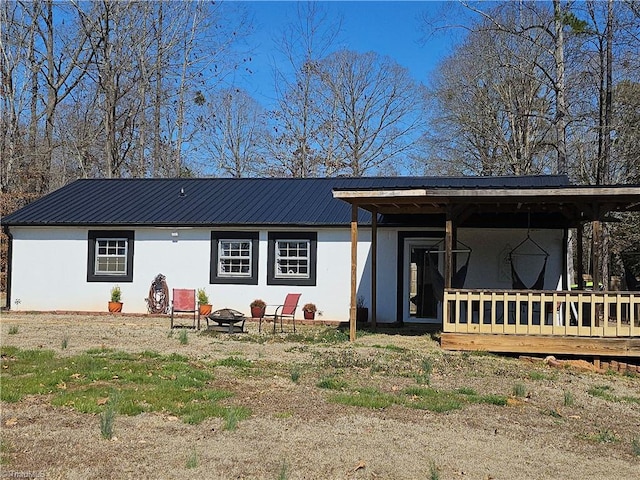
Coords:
pixel 309 315
pixel 205 309
pixel 115 307
pixel 257 312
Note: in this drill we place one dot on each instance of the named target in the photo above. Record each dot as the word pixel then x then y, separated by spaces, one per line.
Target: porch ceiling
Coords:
pixel 576 203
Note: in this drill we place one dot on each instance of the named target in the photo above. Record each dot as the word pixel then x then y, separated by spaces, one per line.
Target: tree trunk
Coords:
pixel 559 84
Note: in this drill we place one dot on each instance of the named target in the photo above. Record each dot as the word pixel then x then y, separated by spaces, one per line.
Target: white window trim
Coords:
pixel 307 258
pixel 245 258
pixel 98 256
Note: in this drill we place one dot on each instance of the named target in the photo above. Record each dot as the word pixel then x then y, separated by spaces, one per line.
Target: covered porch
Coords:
pixel 543 322
pixel 559 321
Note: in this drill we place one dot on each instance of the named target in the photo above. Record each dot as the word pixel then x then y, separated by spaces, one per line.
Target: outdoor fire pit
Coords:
pixel 226 320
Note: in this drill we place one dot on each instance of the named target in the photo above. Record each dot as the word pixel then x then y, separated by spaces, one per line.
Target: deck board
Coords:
pixel 540 344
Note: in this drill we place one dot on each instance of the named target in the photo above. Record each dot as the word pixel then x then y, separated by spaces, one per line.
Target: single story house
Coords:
pixel 413 249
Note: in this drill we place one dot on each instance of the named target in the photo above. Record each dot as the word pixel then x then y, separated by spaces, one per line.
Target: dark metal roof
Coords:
pixel 229 201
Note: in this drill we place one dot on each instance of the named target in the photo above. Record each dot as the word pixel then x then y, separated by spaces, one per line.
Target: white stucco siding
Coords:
pixel 331 294
pixel 489 265
pixel 49 271
pixel 387 287
pixel 49 268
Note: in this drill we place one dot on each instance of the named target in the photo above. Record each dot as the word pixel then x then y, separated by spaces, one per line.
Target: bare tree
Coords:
pixel 297 125
pixel 545 29
pixel 237 132
pixel 14 36
pixel 489 118
pixel 374 106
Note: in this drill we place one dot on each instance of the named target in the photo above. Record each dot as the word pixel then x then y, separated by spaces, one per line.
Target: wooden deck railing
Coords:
pixel 569 313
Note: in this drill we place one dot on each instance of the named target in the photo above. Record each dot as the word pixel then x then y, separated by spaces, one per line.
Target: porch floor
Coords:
pixel 543 344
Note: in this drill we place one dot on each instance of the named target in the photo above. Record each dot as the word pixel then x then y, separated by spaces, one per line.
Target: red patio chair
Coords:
pixel 287 309
pixel 184 301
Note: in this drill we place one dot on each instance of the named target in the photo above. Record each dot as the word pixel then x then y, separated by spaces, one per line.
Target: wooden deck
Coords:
pixel 544 322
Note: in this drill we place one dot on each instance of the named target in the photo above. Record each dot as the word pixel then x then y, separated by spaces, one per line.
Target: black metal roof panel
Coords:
pixel 229 201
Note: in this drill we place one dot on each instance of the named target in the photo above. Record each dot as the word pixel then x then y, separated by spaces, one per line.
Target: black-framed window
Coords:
pixel 110 256
pixel 292 258
pixel 234 257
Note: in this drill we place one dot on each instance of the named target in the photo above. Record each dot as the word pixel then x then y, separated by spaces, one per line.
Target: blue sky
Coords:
pixel 392 28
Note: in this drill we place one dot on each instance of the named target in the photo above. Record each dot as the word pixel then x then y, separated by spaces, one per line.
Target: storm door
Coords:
pixel 420 303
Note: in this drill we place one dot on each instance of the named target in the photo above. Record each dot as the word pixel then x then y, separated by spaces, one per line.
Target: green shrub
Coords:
pixel 519 390
pixel 568 399
pixel 332 383
pixel 192 461
pixel 107 419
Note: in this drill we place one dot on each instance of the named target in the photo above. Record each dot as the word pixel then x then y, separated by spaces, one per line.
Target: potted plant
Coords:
pixel 309 311
pixel 257 308
pixel 362 311
pixel 115 305
pixel 204 306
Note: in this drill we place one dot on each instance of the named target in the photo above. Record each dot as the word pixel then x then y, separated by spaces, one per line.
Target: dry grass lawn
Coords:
pixel 308 415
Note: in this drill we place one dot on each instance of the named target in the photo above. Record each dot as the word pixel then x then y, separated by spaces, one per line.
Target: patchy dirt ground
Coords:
pixel 295 432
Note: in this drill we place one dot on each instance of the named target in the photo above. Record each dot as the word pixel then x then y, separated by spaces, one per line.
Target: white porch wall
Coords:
pixel 489 266
pixel 49 271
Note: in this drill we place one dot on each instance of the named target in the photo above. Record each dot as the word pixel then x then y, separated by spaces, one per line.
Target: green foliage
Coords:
pixel 536 375
pixel 294 373
pixel 635 446
pixel 423 398
pixel 183 337
pixel 434 474
pixel 203 298
pixel 233 415
pixel 519 390
pixel 234 362
pixel 466 391
pixel 392 348
pixel 65 342
pixel 192 461
pixel 492 399
pixel 367 397
pixel 5 451
pixel 116 294
pixel 606 393
pixel 553 412
pixel 146 382
pixel 319 336
pixel 426 367
pixel 605 436
pixel 568 399
pixel 107 420
pixel 572 21
pixel 433 400
pixel 284 471
pixel 332 383
pixel 13 329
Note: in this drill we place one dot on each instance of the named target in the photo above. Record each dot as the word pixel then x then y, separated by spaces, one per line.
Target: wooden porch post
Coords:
pixel 448 247
pixel 374 267
pixel 580 253
pixel 596 254
pixel 354 271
